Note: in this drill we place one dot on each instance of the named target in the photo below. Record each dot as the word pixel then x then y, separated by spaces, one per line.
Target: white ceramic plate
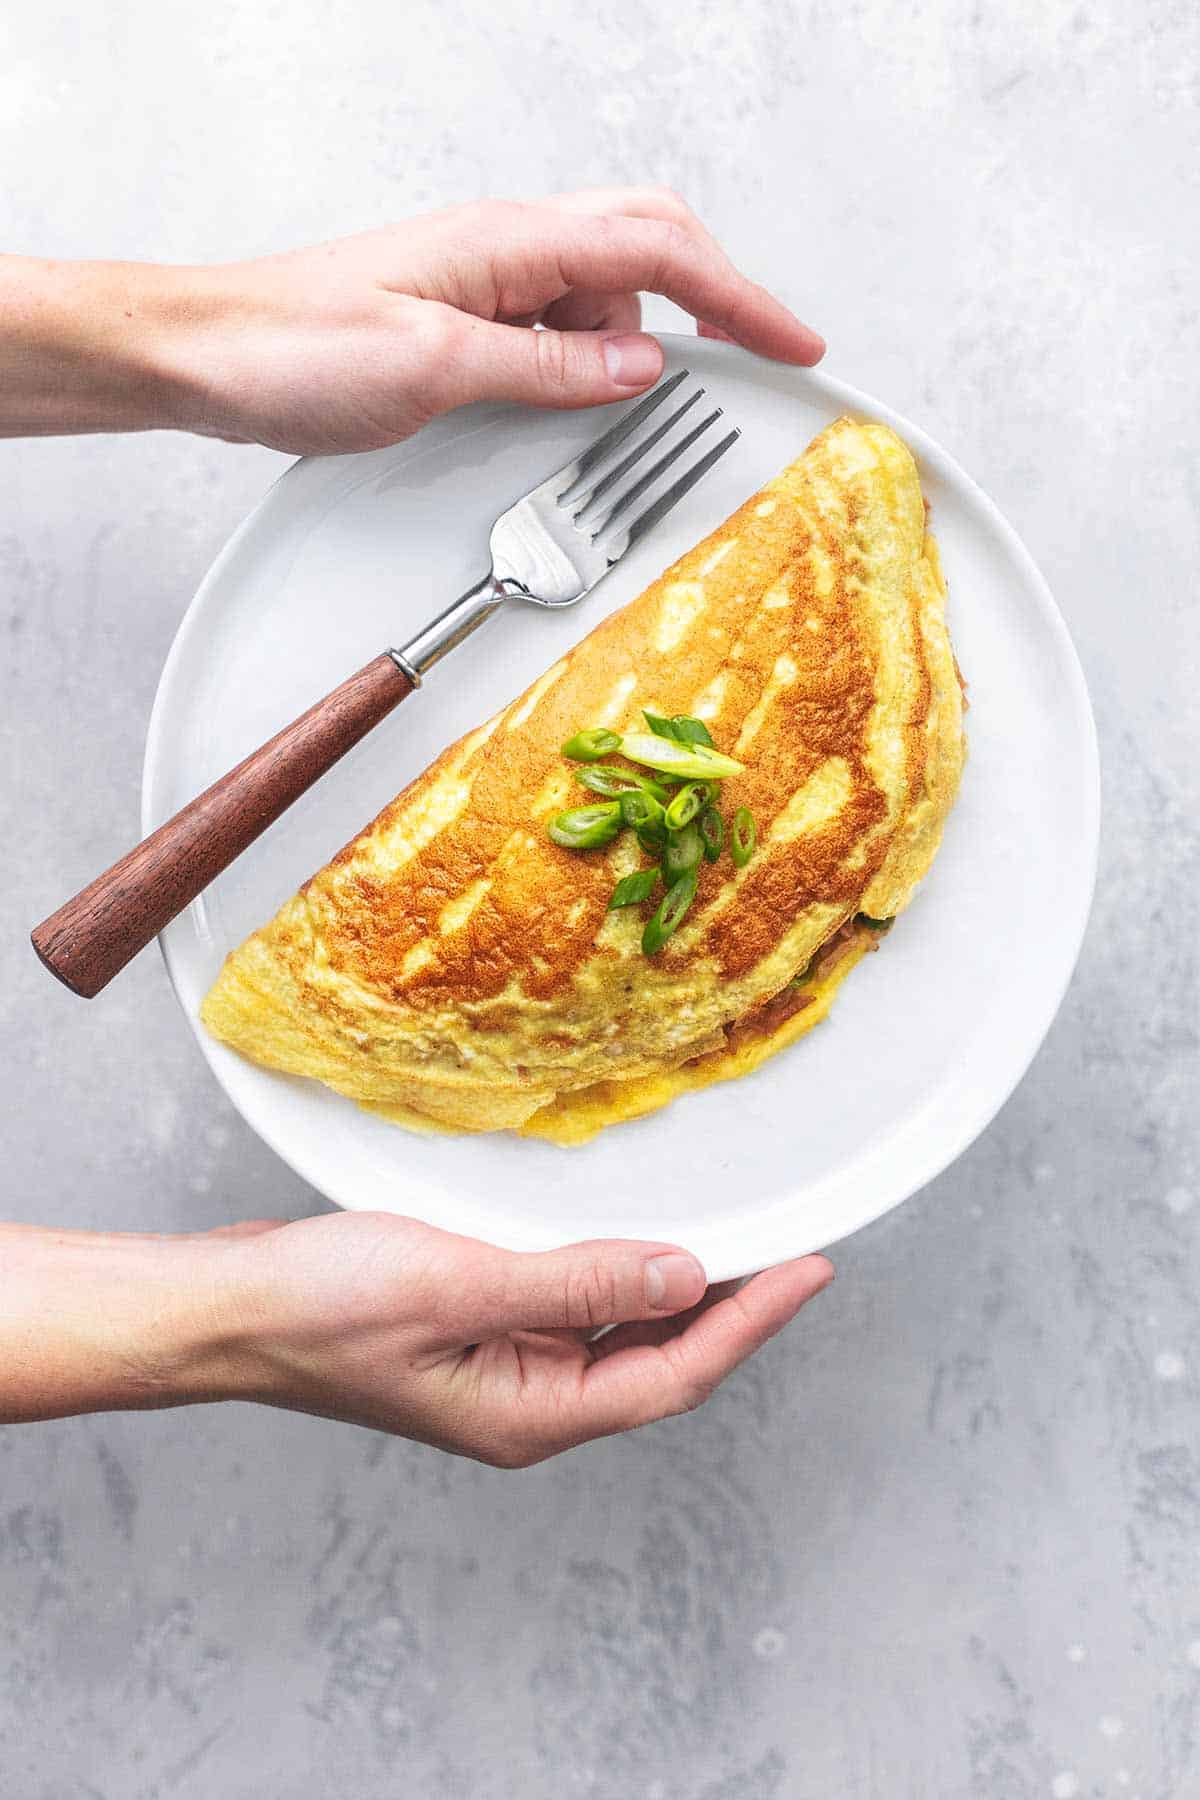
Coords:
pixel 927 1039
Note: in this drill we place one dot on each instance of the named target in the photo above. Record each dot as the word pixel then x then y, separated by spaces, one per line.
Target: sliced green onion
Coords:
pixel 800 979
pixel 611 780
pixel 697 762
pixel 688 803
pixel 667 919
pixel 590 746
pixel 586 827
pixel 682 729
pixel 743 836
pixel 641 810
pixel 711 827
pixel 873 924
pixel 690 731
pixel 681 853
pixel 631 890
pixel 652 836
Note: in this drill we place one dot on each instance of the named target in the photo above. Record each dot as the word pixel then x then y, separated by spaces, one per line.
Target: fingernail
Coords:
pixel 633 361
pixel 673 1281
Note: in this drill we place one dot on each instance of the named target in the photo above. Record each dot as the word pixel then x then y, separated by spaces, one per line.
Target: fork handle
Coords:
pixel 452 627
pixel 91 938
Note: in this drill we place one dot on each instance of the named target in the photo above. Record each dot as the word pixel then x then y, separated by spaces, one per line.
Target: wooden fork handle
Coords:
pixel 90 939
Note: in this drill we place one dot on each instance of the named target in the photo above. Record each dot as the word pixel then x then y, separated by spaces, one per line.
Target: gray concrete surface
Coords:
pixel 943 1538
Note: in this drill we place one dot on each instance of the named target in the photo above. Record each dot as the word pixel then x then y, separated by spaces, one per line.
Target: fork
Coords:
pixel 549 549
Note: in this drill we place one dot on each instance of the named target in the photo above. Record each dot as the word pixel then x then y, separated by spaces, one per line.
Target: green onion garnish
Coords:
pixel 631 890
pixel 611 780
pixel 652 836
pixel 675 813
pixel 586 827
pixel 590 746
pixel 681 853
pixel 873 924
pixel 641 810
pixel 742 837
pixel 682 729
pixel 667 919
pixel 711 827
pixel 698 762
pixel 688 803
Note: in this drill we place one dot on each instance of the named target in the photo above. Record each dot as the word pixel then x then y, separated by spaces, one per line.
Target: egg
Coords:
pixel 453 967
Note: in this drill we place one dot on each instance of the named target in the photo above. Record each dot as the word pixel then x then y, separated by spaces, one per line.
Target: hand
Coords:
pixel 380 1321
pixel 386 1322
pixel 358 343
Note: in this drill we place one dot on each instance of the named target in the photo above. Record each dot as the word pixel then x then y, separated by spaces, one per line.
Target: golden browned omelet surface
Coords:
pixel 453 963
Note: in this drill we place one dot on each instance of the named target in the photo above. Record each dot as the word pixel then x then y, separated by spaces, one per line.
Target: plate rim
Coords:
pixel 1077 701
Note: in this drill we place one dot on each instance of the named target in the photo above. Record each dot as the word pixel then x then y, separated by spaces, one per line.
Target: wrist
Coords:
pixel 94 1322
pixel 92 346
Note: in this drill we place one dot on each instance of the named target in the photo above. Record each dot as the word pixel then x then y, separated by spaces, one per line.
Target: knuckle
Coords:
pixel 495 227
pixel 591 1297
pixel 690 1389
pixel 671 200
pixel 476 215
pixel 694 1394
pixel 602 233
pixel 555 365
pixel 445 332
pixel 674 240
pixel 674 249
pixel 434 332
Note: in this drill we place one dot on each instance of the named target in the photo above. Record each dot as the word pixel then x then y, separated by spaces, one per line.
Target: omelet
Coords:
pixel 455 969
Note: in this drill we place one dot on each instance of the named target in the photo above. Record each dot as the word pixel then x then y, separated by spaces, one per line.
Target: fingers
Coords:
pixel 582 1287
pixel 647 202
pixel 649 239
pixel 585 310
pixel 619 312
pixel 705 330
pixel 500 266
pixel 656 1331
pixel 482 361
pixel 634 1383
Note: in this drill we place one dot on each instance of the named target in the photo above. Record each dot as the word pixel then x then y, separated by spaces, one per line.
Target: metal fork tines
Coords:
pixel 550 549
pixel 582 497
pixel 553 546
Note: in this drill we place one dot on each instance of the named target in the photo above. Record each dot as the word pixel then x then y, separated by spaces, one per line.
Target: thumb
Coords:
pixel 586 1286
pixel 546 368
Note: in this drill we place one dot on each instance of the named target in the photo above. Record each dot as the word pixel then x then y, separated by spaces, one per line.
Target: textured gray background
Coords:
pixel 942 1538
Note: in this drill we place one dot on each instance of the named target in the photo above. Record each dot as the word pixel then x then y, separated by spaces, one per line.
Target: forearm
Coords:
pixel 91 1322
pixel 95 346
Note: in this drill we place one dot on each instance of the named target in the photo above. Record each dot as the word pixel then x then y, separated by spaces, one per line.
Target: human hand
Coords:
pixel 386 1322
pixel 380 1321
pixel 358 343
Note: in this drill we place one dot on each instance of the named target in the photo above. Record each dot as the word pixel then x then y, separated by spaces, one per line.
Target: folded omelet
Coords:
pixel 454 968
